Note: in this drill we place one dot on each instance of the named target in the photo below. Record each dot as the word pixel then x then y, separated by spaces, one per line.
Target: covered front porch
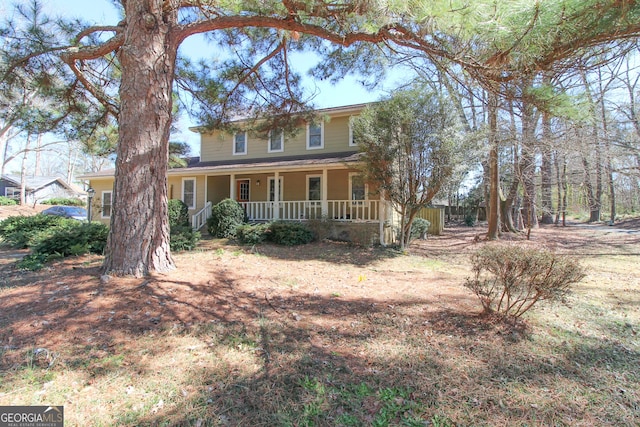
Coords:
pixel 338 194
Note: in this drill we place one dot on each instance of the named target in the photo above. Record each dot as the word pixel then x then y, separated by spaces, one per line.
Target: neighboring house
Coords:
pixel 37 188
pixel 312 175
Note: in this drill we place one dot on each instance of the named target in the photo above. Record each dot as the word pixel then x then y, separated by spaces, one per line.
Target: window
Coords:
pixel 357 187
pixel 107 200
pixel 315 136
pixel 189 192
pixel 314 187
pixel 276 141
pixel 272 189
pixel 240 143
pixel 12 192
pixel 352 141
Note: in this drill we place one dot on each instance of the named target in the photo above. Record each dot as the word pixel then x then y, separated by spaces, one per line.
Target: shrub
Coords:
pixel 252 234
pixel 6 201
pixel 289 233
pixel 183 238
pixel 509 280
pixel 68 238
pixel 178 213
pixel 63 201
pixel 225 217
pixel 32 262
pixel 72 238
pixel 469 220
pixel 419 228
pixel 21 231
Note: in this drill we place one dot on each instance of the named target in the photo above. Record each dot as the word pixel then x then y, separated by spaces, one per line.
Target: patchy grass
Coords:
pixel 323 335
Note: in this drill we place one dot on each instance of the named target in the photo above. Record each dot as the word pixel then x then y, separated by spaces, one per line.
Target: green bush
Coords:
pixel 289 233
pixel 509 280
pixel 72 238
pixel 469 220
pixel 32 262
pixel 252 234
pixel 183 238
pixel 66 239
pixel 63 202
pixel 419 228
pixel 225 217
pixel 6 201
pixel 178 213
pixel 21 231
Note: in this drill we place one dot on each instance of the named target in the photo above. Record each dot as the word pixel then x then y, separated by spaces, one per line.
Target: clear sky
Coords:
pixel 348 91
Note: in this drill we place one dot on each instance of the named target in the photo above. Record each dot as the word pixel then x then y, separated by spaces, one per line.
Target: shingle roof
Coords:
pixel 36 182
pixel 262 163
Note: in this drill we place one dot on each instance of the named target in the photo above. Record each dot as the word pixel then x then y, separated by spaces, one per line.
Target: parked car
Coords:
pixel 73 212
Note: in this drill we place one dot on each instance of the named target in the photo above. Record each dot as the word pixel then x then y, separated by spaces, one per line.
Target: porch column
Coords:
pixel 206 189
pixel 232 186
pixel 276 196
pixel 325 191
pixel 382 213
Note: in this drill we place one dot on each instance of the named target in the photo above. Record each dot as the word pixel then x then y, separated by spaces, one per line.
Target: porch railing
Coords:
pixel 199 219
pixel 341 210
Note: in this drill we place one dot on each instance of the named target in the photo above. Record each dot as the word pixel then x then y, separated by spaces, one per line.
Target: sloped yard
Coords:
pixel 324 334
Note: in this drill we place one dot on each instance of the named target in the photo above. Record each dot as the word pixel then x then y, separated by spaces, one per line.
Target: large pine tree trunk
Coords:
pixel 139 238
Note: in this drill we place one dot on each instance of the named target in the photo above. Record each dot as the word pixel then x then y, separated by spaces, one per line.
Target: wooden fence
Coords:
pixel 435 216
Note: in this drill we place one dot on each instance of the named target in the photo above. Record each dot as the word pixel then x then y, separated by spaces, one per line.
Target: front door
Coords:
pixel 242 190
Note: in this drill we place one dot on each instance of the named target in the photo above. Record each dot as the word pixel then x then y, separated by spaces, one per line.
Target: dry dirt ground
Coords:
pixel 329 297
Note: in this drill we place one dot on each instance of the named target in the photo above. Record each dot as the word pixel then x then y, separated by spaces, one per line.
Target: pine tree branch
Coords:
pixel 252 71
pixel 97 93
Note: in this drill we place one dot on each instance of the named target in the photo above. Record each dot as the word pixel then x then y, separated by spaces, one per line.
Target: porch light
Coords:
pixel 258 182
pixel 90 193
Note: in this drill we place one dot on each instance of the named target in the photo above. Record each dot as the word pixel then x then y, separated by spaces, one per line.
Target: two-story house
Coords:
pixel 274 176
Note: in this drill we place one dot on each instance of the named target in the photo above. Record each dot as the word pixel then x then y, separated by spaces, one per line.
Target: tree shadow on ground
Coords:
pixel 298 358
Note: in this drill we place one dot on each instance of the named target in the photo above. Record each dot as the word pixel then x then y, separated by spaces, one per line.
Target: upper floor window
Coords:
pixel 276 141
pixel 189 192
pixel 240 143
pixel 106 204
pixel 315 136
pixel 352 140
